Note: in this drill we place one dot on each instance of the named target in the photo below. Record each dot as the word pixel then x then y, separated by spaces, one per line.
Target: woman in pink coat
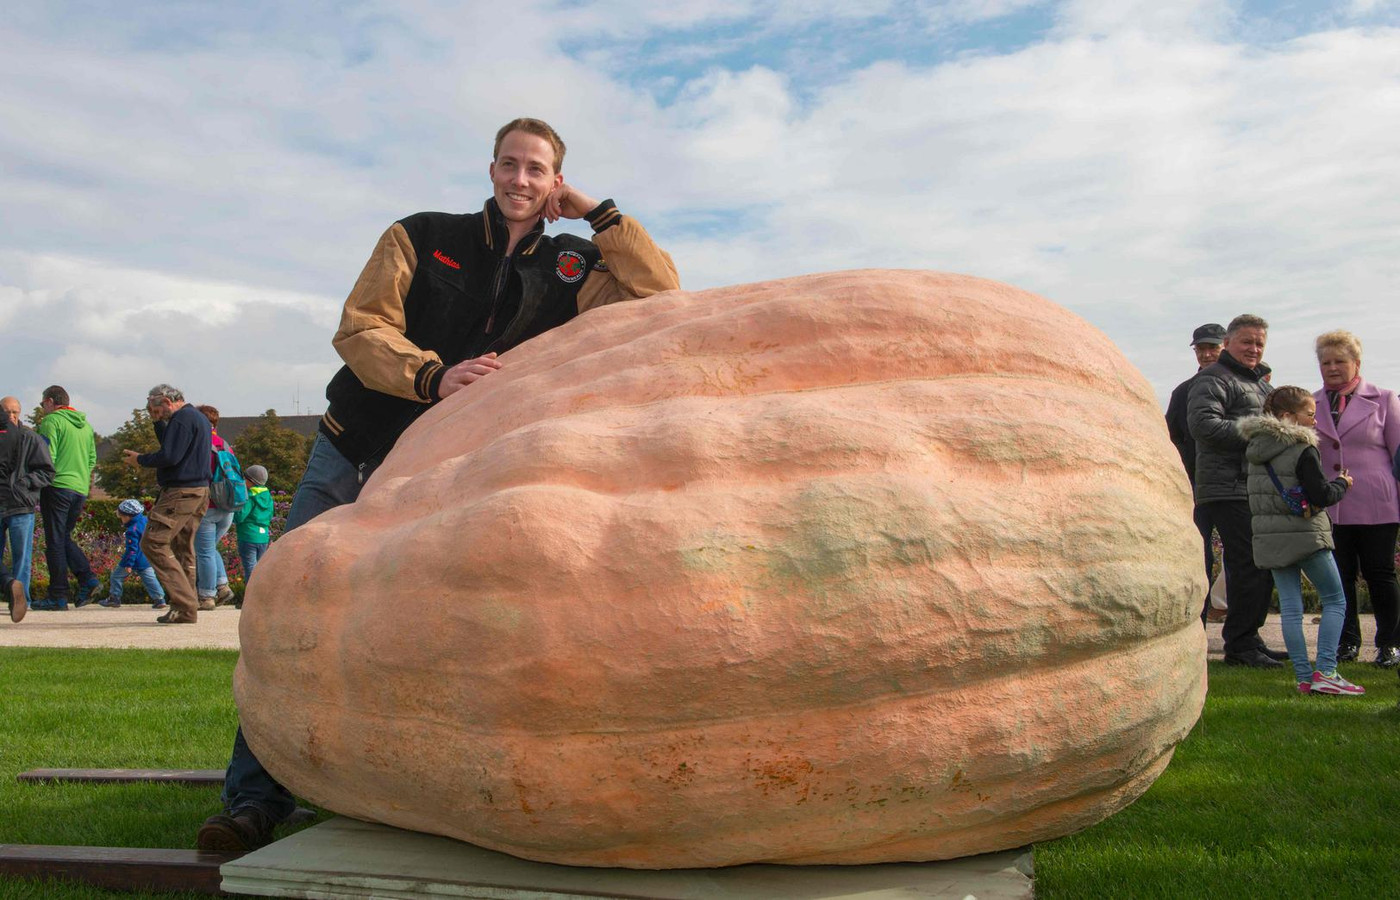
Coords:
pixel 1361 437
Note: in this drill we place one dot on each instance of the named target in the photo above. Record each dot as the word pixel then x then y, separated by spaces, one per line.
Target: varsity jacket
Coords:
pixel 440 288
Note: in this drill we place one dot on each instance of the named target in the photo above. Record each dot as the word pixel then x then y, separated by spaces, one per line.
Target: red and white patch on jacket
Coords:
pixel 570 266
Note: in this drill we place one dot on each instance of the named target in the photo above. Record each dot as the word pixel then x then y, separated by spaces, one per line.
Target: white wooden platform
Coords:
pixel 347 858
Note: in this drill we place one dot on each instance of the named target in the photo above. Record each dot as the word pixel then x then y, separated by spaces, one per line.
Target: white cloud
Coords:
pixel 1139 163
pixel 108 334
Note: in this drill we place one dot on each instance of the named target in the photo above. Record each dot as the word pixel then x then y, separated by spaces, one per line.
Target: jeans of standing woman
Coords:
pixel 62 508
pixel 1321 570
pixel 18 531
pixel 1369 550
pixel 330 480
pixel 208 561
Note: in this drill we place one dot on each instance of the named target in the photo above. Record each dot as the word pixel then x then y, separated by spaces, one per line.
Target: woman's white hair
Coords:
pixel 1345 341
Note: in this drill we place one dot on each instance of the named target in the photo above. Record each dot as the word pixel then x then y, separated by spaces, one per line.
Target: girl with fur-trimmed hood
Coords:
pixel 1288 500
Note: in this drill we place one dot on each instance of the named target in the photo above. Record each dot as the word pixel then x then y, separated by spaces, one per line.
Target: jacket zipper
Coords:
pixel 497 289
pixel 383 449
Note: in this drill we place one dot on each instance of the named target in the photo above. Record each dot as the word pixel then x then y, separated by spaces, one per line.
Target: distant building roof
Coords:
pixel 230 427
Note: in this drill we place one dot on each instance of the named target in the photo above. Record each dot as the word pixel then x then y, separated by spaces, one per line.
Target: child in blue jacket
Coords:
pixel 133 516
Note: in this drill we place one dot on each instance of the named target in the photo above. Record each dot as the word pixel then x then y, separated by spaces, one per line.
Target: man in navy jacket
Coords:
pixel 182 471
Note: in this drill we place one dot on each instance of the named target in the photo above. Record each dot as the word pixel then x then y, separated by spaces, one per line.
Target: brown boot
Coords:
pixel 19 605
pixel 237 832
pixel 224 595
pixel 207 603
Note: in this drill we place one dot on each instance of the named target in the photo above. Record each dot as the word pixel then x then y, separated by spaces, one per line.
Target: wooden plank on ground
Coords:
pixel 117 868
pixel 115 776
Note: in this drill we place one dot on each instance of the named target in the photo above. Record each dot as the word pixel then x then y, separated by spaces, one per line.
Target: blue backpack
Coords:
pixel 227 489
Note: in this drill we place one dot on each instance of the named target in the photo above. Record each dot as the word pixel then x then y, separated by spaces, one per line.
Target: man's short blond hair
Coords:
pixel 537 127
pixel 1345 341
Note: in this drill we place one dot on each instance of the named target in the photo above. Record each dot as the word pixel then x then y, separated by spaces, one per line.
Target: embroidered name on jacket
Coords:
pixel 570 266
pixel 446 260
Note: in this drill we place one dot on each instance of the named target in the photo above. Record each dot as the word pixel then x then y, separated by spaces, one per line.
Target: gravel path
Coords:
pixel 135 626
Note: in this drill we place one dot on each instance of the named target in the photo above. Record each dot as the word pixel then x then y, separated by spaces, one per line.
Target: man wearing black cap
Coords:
pixel 1206 341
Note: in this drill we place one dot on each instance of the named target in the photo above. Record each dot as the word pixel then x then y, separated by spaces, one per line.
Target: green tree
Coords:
pixel 275 447
pixel 116 477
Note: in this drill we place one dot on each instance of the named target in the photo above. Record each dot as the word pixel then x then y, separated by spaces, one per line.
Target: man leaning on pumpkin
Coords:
pixel 440 297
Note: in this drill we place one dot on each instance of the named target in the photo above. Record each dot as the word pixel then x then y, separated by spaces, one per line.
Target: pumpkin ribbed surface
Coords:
pixel 847 568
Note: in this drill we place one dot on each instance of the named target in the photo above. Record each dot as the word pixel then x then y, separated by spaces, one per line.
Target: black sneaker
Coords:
pixel 1348 652
pixel 1254 658
pixel 237 832
pixel 1271 653
pixel 85 592
pixel 1388 657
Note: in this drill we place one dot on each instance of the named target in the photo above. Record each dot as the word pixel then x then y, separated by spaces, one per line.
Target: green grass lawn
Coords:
pixel 1272 795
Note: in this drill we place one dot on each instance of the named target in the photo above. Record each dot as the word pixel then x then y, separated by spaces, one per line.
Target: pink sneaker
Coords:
pixel 1305 687
pixel 1332 683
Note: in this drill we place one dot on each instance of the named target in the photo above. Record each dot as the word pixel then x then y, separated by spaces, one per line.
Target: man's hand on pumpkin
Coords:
pixel 466 372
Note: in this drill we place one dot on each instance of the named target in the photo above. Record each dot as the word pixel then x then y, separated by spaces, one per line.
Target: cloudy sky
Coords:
pixel 189 189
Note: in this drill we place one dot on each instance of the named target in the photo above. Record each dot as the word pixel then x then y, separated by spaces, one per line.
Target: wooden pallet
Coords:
pixel 117 776
pixel 117 868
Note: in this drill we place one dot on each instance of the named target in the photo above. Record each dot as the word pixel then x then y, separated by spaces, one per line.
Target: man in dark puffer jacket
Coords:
pixel 1223 393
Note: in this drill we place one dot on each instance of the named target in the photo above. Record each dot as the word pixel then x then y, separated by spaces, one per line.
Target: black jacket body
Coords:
pixel 475 301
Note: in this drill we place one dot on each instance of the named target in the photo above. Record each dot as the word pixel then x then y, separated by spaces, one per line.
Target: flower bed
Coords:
pixel 99 534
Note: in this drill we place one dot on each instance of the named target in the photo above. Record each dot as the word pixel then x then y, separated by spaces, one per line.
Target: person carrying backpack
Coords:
pixel 211 577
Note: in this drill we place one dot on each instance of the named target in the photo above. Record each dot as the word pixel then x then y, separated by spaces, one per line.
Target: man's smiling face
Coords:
pixel 522 176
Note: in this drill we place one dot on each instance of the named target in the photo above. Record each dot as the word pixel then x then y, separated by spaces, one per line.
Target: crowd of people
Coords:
pixel 1291 493
pixel 51 467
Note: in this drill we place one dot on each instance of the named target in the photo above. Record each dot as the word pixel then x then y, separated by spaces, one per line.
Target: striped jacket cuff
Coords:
pixel 603 216
pixel 427 381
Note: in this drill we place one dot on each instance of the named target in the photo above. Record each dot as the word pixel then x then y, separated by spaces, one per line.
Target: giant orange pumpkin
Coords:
pixel 847 568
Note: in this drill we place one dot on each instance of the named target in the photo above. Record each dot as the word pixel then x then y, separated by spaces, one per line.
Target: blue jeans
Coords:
pixel 148 580
pixel 329 481
pixel 250 554
pixel 62 509
pixel 208 561
pixel 19 530
pixel 1321 570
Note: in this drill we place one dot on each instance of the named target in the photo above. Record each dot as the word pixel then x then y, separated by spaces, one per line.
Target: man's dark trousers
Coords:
pixel 1249 587
pixel 61 509
pixel 1202 520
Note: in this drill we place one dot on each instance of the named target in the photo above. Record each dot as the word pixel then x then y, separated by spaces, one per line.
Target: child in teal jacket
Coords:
pixel 254 520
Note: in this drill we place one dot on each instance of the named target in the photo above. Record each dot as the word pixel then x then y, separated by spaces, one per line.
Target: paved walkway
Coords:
pixel 129 626
pixel 135 626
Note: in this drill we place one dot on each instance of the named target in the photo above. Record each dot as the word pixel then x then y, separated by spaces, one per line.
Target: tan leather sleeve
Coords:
pixel 636 267
pixel 371 335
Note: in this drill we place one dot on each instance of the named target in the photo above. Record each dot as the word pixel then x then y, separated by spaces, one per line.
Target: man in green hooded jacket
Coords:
pixel 73 447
